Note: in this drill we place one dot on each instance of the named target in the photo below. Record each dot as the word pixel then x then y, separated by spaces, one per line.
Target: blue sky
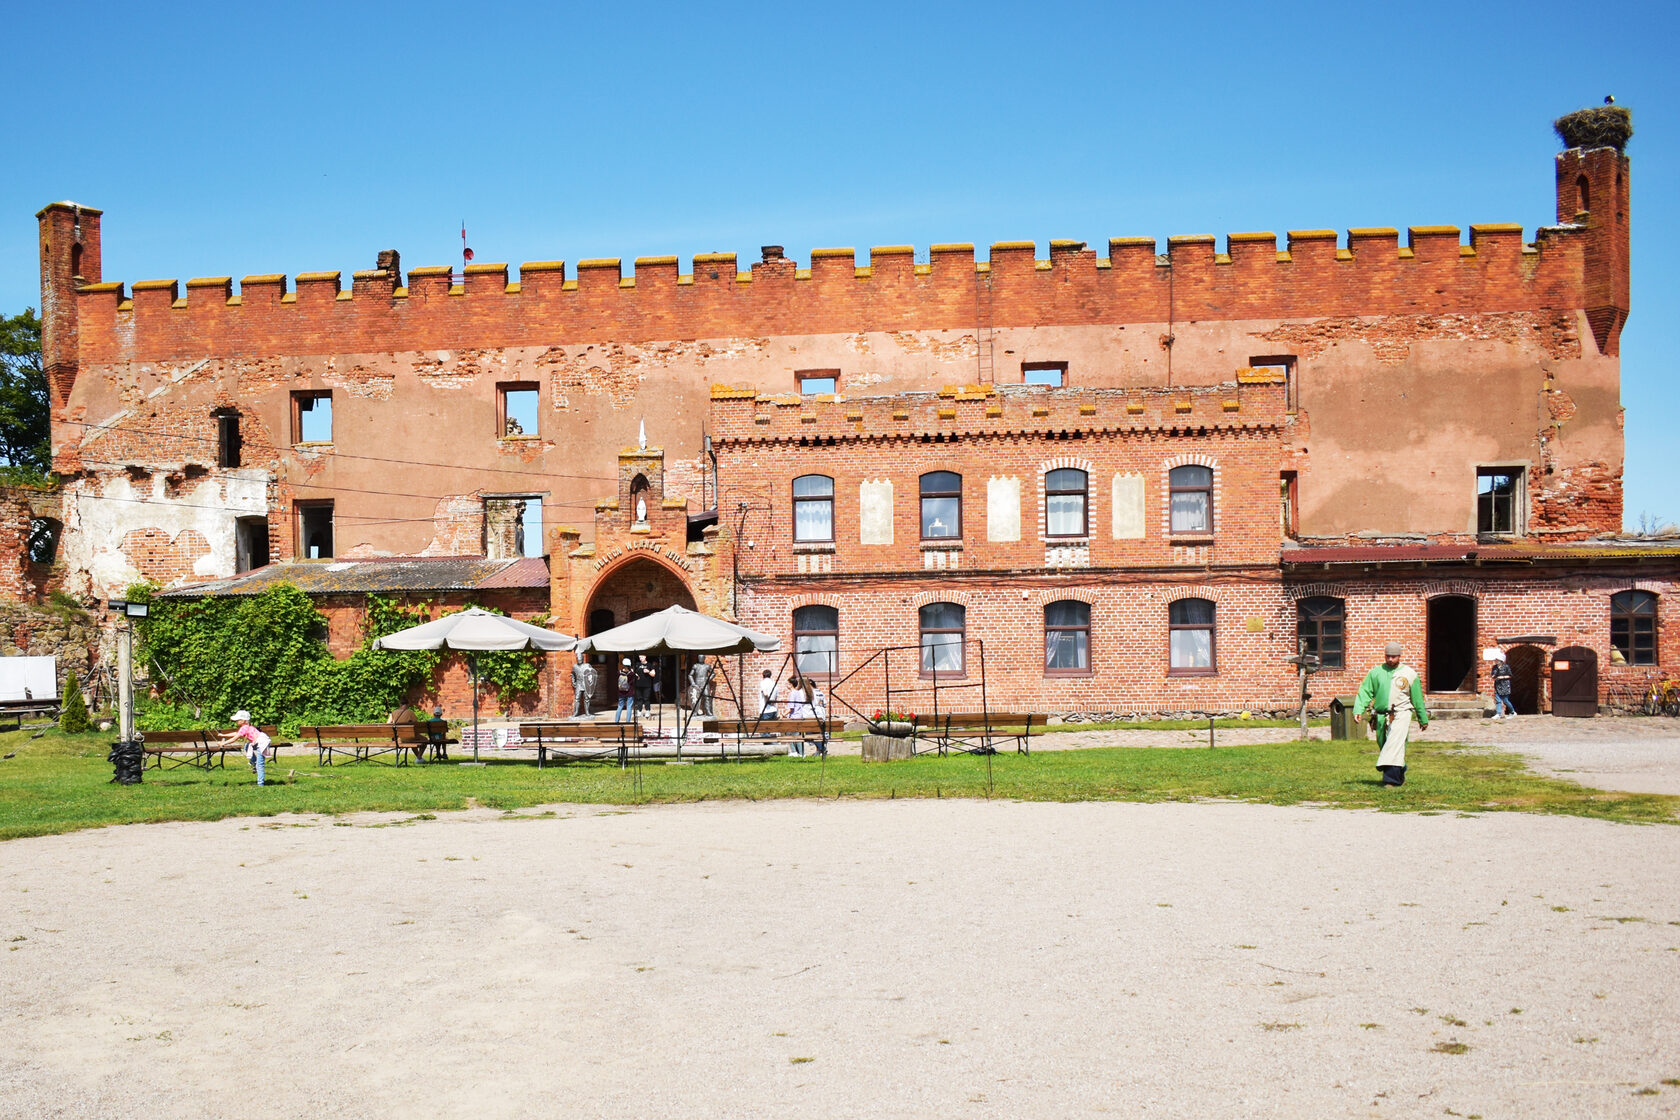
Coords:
pixel 250 138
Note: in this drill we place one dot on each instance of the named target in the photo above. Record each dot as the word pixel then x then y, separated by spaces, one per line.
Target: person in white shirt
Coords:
pixel 767 697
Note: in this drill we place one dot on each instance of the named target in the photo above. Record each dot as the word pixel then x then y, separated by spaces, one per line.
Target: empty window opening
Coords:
pixel 513 526
pixel 1498 500
pixel 814 381
pixel 1049 375
pixel 1064 503
pixel 813 508
pixel 315 530
pixel 43 539
pixel 941 505
pixel 1191 490
pixel 1190 641
pixel 1067 637
pixel 1583 195
pixel 1633 626
pixel 228 442
pixel 1284 364
pixel 517 411
pixel 250 543
pixel 943 628
pixel 312 417
pixel 816 640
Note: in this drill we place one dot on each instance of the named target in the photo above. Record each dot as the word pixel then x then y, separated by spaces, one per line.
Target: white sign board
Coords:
pixel 28 678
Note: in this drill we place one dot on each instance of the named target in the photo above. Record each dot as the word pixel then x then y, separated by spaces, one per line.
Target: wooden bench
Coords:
pixel 583 741
pixel 365 742
pixel 14 712
pixel 980 732
pixel 774 732
pixel 201 749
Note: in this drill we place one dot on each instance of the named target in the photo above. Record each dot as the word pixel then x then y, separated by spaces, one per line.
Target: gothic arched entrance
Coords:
pixel 637 587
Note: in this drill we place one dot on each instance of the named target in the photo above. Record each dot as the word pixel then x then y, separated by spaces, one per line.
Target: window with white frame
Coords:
pixel 813 508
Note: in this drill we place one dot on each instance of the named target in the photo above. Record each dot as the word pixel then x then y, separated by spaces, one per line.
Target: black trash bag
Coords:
pixel 128 757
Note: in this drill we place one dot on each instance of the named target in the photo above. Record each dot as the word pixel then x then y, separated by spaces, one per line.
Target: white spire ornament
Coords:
pixel 641 436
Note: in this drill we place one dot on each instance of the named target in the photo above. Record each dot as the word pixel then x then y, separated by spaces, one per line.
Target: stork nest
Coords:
pixel 1603 126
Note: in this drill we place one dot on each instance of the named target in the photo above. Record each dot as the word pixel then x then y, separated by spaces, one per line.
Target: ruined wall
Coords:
pixel 1431 358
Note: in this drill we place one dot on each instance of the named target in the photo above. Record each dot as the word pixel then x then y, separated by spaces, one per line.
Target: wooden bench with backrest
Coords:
pixel 365 742
pixel 773 732
pixel 166 749
pixel 980 732
pixel 583 740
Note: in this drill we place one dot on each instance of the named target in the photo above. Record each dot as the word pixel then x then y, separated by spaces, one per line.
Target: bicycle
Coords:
pixel 1663 698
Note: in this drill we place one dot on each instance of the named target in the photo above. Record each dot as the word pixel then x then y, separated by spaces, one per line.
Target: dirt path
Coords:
pixel 971 959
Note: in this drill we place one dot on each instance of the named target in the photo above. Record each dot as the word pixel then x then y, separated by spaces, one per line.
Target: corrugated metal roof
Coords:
pixel 384 574
pixel 1482 553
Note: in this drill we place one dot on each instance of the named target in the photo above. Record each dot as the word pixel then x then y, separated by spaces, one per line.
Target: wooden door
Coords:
pixel 1575 682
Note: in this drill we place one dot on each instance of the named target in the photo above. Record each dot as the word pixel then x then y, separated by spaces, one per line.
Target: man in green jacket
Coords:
pixel 1393 694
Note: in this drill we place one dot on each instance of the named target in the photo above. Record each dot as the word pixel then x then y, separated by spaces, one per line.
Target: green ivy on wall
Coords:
pixel 267 653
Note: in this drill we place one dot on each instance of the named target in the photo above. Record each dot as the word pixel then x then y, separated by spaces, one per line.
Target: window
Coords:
pixel 813 508
pixel 814 381
pixel 1289 484
pixel 1192 499
pixel 1498 500
pixel 512 526
pixel 312 417
pixel 1321 623
pixel 1284 364
pixel 816 640
pixel 228 442
pixel 315 530
pixel 942 638
pixel 1633 626
pixel 250 543
pixel 1064 503
pixel 1067 638
pixel 516 412
pixel 941 505
pixel 43 539
pixel 1190 637
pixel 1050 375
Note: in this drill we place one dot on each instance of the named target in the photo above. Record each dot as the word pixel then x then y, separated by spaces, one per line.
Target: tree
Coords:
pixel 72 709
pixel 25 411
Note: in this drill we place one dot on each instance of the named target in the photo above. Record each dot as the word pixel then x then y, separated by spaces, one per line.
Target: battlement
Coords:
pixel 1579 264
pixel 1254 400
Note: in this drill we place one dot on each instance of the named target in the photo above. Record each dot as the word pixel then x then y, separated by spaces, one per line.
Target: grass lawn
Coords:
pixel 60 783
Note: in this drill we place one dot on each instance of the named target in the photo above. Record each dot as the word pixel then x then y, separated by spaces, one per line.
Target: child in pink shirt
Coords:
pixel 256 743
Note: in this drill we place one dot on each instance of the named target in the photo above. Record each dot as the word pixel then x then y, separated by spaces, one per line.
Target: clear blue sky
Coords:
pixel 233 138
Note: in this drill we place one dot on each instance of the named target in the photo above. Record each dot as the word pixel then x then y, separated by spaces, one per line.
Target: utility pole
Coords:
pixel 125 680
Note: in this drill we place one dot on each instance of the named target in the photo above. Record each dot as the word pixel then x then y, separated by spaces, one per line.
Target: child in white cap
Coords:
pixel 255 741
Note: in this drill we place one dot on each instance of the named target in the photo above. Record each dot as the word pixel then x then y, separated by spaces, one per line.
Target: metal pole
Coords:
pixel 125 680
pixel 473 661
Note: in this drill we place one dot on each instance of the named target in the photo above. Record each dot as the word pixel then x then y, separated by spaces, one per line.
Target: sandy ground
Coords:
pixel 873 959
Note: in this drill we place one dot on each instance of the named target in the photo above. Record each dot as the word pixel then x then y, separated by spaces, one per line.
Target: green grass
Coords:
pixel 61 783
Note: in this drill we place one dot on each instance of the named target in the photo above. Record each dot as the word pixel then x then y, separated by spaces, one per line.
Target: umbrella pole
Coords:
pixel 473 661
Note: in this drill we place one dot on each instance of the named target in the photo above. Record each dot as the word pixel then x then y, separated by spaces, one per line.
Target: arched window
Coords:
pixel 1321 622
pixel 1067 638
pixel 1064 503
pixel 1633 626
pixel 1190 646
pixel 1191 490
pixel 943 628
pixel 813 508
pixel 816 640
pixel 1583 195
pixel 941 505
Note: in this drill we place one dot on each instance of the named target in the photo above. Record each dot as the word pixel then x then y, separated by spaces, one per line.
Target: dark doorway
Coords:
pixel 664 668
pixel 1452 644
pixel 1575 682
pixel 606 664
pixel 1527 663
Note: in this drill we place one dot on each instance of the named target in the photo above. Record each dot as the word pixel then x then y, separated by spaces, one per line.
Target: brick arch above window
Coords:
pixel 1173 594
pixel 1297 591
pixel 946 595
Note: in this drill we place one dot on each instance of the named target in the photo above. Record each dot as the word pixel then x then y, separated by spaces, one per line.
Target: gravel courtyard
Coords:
pixel 861 959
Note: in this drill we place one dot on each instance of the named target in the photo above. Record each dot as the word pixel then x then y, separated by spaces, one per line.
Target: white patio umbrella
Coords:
pixel 475 630
pixel 679 630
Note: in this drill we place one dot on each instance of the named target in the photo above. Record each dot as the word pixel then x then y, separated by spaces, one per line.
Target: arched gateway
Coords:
pixel 635 587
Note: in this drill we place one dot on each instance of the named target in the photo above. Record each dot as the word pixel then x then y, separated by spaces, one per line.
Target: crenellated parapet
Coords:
pixel 1310 274
pixel 1253 400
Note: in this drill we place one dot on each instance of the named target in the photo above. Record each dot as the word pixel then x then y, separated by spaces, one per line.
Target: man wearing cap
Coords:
pixel 1393 694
